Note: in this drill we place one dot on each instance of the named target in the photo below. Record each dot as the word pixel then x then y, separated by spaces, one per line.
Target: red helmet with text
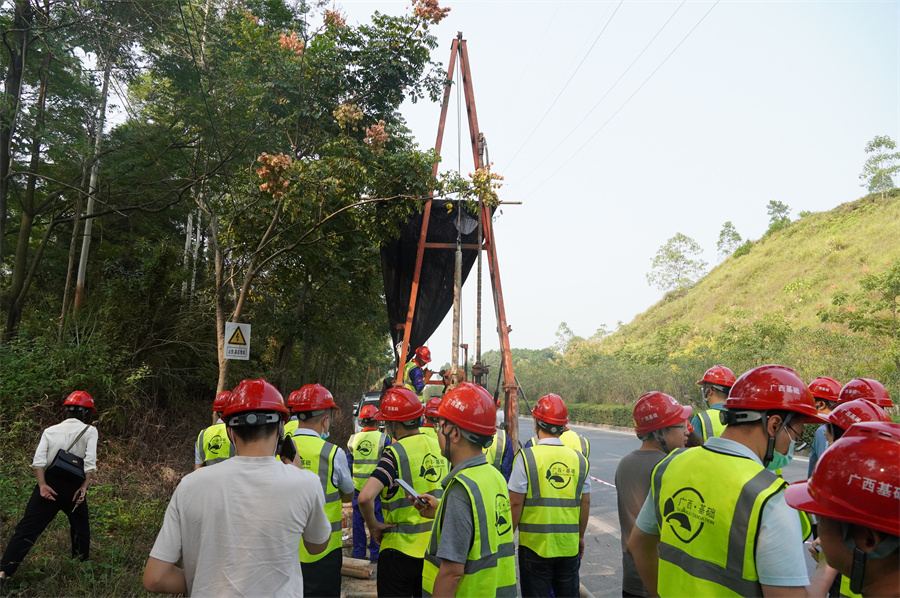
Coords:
pixel 254 395
pixel 311 400
pixel 470 407
pixel 423 354
pixel 866 388
pixel 773 387
pixel 825 388
pixel 551 409
pixel 368 412
pixel 80 398
pixel 221 401
pixel 655 410
pixel 854 412
pixel 718 375
pixel 431 407
pixel 400 404
pixel 855 479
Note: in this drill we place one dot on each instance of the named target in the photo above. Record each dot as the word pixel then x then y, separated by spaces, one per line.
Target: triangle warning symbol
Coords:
pixel 237 338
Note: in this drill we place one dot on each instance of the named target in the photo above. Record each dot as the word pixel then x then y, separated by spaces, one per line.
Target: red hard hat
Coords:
pixel 855 479
pixel 368 412
pixel 866 388
pixel 423 354
pixel 718 374
pixel 399 405
pixel 552 410
pixel 854 412
pixel 80 398
pixel 255 395
pixel 773 387
pixel 221 400
pixel 312 397
pixel 825 388
pixel 431 407
pixel 471 408
pixel 656 410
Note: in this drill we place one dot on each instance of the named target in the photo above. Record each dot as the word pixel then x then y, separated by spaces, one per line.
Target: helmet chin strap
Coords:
pixel 661 440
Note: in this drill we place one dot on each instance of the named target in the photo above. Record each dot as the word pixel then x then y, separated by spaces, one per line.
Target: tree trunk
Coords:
pixel 18 288
pixel 219 267
pixel 92 190
pixel 22 21
pixel 73 245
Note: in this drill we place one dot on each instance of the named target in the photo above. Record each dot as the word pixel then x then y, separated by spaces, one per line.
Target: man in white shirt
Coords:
pixel 237 526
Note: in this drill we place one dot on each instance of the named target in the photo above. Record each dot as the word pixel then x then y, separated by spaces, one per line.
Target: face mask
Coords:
pixel 324 435
pixel 780 461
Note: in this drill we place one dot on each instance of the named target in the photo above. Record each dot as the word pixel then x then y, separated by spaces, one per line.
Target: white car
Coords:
pixel 372 397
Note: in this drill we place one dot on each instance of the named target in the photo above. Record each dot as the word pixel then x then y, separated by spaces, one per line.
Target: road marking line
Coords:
pixel 601 527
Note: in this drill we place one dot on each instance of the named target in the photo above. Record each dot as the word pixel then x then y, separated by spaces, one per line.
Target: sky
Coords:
pixel 619 124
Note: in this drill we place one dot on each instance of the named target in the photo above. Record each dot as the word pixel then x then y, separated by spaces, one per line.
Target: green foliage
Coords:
pixel 729 240
pixel 779 216
pixel 743 249
pixel 881 165
pixel 676 264
pixel 612 415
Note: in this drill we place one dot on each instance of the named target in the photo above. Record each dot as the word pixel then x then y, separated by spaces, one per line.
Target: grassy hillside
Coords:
pixel 798 297
pixel 794 271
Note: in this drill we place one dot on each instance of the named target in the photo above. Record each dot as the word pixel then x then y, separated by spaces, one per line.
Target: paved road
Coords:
pixel 601 570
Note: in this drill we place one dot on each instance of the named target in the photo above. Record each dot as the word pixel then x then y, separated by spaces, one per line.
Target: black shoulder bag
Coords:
pixel 67 465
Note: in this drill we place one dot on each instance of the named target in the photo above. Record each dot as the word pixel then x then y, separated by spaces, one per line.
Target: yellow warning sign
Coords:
pixel 237 338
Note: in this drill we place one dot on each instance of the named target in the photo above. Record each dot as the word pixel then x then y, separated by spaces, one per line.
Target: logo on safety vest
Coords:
pixel 431 468
pixel 686 514
pixel 215 443
pixel 559 475
pixel 365 448
pixel 503 515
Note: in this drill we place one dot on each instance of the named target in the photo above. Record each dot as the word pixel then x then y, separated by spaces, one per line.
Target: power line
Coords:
pixel 535 128
pixel 625 103
pixel 591 111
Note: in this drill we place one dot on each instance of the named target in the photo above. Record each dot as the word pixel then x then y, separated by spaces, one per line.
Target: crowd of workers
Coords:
pixel 442 491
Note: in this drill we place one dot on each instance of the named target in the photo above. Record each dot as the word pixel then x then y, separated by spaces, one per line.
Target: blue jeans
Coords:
pixel 359 530
pixel 542 577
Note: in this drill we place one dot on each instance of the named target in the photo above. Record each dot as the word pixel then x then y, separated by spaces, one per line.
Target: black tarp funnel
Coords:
pixel 435 296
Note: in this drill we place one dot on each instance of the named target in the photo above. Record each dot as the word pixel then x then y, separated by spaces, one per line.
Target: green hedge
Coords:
pixel 613 415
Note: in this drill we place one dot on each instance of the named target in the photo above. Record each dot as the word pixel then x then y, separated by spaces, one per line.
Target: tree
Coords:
pixel 677 264
pixel 881 165
pixel 729 240
pixel 874 310
pixel 779 216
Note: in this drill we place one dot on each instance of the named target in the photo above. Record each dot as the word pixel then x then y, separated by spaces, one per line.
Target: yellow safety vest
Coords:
pixel 572 440
pixel 419 463
pixel 318 457
pixel 407 379
pixel 366 448
pixel 550 517
pixel 213 445
pixel 490 568
pixel 577 442
pixel 710 424
pixel 429 431
pixel 708 524
pixel 494 453
pixel 291 427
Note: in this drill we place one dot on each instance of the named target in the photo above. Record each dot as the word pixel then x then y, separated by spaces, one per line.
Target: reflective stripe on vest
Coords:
pixel 727 506
pixel 420 464
pixel 318 457
pixel 366 448
pixel 494 453
pixel 213 445
pixel 490 568
pixel 576 442
pixel 407 378
pixel 710 424
pixel 550 517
